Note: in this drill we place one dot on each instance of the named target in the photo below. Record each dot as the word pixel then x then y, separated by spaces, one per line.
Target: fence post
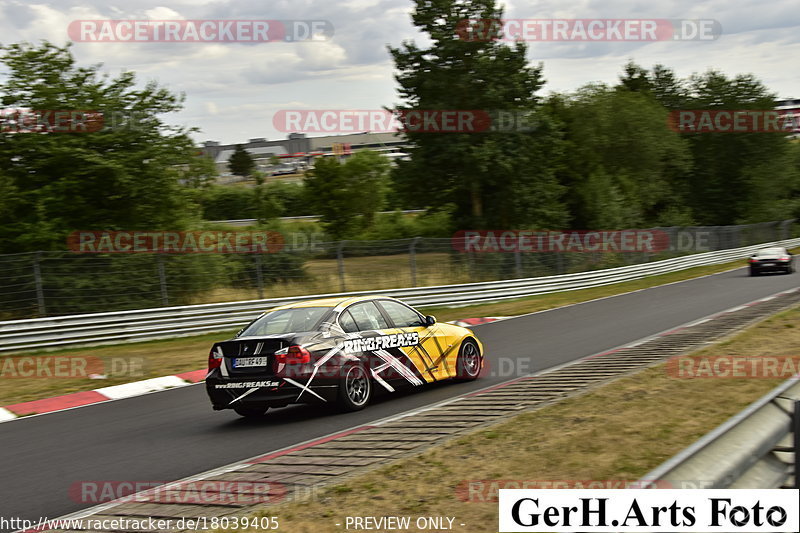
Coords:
pixel 559 262
pixel 340 262
pixel 162 278
pixel 259 277
pixel 412 260
pixel 37 277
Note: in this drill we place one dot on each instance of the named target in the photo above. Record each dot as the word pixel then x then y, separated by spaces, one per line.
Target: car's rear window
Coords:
pixel 771 251
pixel 294 320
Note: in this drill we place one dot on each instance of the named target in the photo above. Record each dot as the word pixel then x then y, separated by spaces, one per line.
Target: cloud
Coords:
pixel 234 89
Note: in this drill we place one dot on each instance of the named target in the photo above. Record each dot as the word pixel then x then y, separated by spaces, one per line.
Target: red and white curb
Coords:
pixel 104 394
pixel 136 388
pixel 469 322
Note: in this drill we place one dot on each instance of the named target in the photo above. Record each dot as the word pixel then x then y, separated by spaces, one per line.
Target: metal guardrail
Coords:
pixel 166 322
pixel 754 449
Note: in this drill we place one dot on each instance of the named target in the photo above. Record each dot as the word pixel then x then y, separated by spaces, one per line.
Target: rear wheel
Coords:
pixel 468 364
pixel 355 388
pixel 251 412
pixel 753 271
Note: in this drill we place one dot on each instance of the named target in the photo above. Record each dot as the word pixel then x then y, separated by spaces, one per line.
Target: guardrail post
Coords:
pixel 259 277
pixel 340 262
pixel 162 278
pixel 796 437
pixel 412 260
pixel 37 277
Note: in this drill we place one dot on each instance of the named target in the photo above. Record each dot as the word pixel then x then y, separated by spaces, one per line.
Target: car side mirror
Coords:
pixel 430 320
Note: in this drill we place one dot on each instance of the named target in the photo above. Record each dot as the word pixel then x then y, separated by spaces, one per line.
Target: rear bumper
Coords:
pixel 269 391
pixel 776 266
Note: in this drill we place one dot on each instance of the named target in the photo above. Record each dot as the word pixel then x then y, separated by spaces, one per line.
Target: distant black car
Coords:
pixel 774 259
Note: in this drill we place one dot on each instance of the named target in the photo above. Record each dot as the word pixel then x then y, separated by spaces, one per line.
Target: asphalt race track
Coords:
pixel 174 434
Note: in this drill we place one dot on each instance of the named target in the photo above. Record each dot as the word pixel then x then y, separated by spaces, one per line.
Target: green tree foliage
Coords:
pixel 493 179
pixel 347 195
pixel 241 162
pixel 122 176
pixel 200 171
pixel 623 164
pixel 739 177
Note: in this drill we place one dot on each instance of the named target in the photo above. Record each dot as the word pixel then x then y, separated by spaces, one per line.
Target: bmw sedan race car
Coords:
pixel 336 351
pixel 774 259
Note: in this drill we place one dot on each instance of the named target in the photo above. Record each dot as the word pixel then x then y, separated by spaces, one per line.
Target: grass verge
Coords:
pixel 618 431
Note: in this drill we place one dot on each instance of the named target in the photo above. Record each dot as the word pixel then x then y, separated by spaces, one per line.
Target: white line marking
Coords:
pixel 127 390
pixel 6 415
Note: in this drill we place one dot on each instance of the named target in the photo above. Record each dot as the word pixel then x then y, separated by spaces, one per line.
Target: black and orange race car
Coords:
pixel 337 350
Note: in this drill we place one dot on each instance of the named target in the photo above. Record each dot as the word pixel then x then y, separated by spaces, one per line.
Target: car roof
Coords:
pixel 772 250
pixel 331 302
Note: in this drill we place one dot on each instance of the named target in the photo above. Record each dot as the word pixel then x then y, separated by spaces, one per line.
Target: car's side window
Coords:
pixel 402 316
pixel 347 322
pixel 367 316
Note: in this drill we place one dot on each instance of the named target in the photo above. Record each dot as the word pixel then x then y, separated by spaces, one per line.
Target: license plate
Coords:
pixel 242 362
pixel 768 264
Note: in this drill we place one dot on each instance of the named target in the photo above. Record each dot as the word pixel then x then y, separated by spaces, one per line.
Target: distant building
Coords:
pixel 299 150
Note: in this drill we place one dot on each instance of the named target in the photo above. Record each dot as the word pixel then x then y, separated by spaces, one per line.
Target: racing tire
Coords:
pixel 469 362
pixel 253 413
pixel 754 272
pixel 355 388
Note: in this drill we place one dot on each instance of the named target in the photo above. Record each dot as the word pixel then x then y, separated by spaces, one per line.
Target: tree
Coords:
pixel 120 176
pixel 739 177
pixel 623 165
pixel 347 195
pixel 635 79
pixel 241 162
pixel 492 178
pixel 200 172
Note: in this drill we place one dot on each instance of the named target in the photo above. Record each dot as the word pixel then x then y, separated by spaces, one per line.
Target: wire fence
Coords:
pixel 53 283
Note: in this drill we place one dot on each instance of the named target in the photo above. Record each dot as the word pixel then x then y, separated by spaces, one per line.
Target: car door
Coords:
pixel 432 348
pixel 381 347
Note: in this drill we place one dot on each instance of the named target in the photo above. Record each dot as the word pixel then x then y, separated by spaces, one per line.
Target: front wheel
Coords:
pixel 469 362
pixel 355 388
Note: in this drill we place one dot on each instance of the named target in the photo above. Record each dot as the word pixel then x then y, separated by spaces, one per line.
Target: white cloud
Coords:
pixel 233 90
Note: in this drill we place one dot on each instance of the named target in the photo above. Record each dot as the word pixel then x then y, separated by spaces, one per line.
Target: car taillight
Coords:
pixel 751 260
pixel 293 355
pixel 214 359
pixel 785 258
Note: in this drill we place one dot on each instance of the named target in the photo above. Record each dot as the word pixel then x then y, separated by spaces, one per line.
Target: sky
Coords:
pixel 233 90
